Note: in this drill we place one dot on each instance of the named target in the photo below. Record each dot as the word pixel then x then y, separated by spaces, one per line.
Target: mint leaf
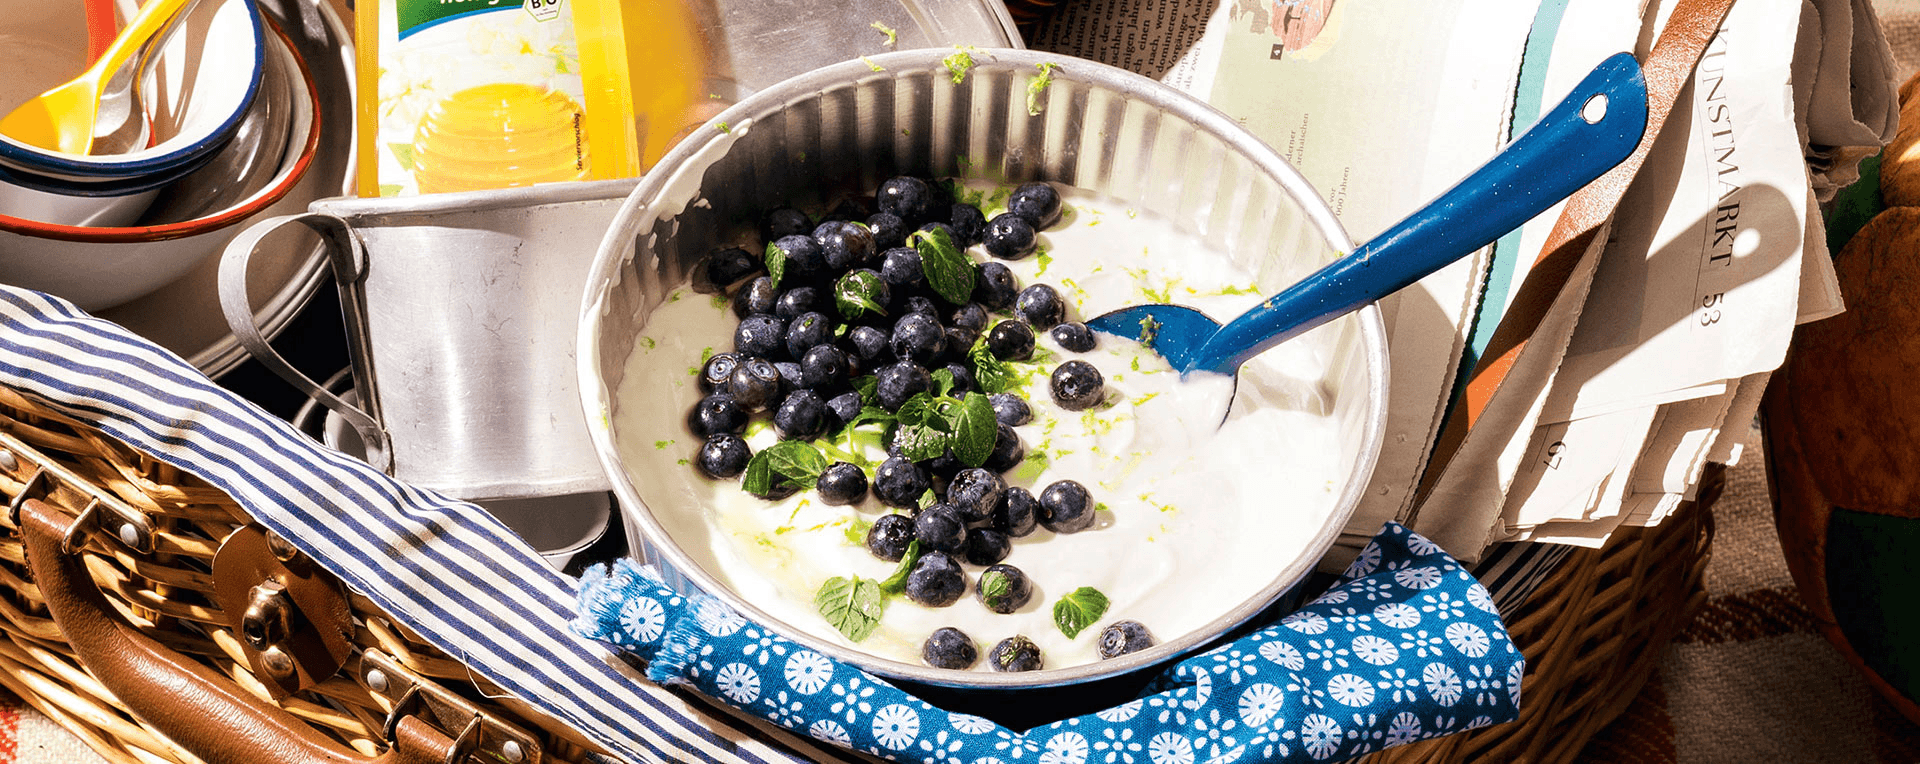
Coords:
pixel 958 64
pixel 871 414
pixel 852 606
pixel 1078 610
pixel 993 583
pixel 869 388
pixel 919 442
pixel 800 463
pixel 992 374
pixel 776 259
pixel 897 582
pixel 974 430
pixel 858 293
pixel 758 479
pixel 918 410
pixel 948 270
pixel 943 382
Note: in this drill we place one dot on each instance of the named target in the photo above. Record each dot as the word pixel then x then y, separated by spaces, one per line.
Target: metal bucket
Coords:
pixel 460 312
pixel 845 128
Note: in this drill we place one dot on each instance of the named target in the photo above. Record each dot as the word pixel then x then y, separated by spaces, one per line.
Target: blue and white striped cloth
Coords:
pixel 445 568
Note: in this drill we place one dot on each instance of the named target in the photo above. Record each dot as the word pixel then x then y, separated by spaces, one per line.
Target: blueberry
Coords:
pixel 1041 306
pixel 900 483
pixel 1122 637
pixel 940 527
pixel 791 377
pixel 895 383
pixel 802 416
pixel 842 408
pixel 1015 653
pixel 723 456
pixel 1078 386
pixel 963 381
pixel 803 254
pixel 714 373
pixel 968 225
pixel 936 580
pixel 1010 237
pixel 1007 449
pixel 824 367
pixel 986 546
pixel 760 335
pixel 1017 513
pixel 1010 409
pixel 943 468
pixel 975 492
pixel 842 483
pixel 949 648
pixel 971 316
pixel 889 230
pixel 729 265
pixel 808 331
pixel 917 303
pixel 868 344
pixel 784 221
pixel 757 297
pixel 995 288
pixel 716 414
pixel 1066 507
pixel 798 301
pixel 889 536
pixel 848 245
pixel 1003 588
pixel 908 197
pixel 960 339
pixel 1037 203
pixel 861 283
pixel 1074 336
pixel 900 266
pixel 919 338
pixel 755 384
pixel 1011 340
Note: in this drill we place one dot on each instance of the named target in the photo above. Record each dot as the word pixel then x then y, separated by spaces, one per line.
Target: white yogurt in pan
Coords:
pixel 1196 516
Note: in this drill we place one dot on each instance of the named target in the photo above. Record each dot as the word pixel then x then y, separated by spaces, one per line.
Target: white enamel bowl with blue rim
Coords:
pixel 857 123
pixel 197 90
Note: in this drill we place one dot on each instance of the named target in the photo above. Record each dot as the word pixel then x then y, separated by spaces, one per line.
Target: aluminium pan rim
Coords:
pixel 681 569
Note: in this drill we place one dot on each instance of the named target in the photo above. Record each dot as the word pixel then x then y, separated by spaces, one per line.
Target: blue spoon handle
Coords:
pixel 1554 158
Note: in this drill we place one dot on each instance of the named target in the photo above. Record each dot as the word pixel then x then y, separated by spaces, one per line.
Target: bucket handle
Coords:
pixel 348 258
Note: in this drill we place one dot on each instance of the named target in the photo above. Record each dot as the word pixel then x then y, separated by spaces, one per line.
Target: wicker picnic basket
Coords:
pixel 1591 633
pixel 387 685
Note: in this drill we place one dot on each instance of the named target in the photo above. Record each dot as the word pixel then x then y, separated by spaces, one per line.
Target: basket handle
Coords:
pixel 205 713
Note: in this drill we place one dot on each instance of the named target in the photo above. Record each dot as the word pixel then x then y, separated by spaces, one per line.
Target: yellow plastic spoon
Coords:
pixel 62 119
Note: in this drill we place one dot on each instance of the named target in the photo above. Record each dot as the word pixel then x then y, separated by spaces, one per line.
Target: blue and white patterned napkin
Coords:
pixel 1406 646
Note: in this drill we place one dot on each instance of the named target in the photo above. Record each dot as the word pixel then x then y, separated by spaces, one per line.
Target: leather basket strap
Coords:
pixel 203 712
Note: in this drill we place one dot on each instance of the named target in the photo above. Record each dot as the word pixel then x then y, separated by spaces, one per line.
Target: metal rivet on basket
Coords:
pixel 512 752
pixel 8 461
pixel 282 549
pixel 278 664
pixel 377 680
pixel 130 535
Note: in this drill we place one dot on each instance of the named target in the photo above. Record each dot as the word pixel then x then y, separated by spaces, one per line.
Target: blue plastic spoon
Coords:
pixel 1594 128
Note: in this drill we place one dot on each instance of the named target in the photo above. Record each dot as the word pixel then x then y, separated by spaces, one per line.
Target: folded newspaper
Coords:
pixel 1716 252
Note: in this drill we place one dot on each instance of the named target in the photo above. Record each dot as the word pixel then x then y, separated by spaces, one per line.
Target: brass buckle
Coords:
pixel 481 735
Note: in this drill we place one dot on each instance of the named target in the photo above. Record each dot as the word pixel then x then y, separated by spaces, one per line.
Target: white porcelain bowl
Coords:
pixel 99 267
pixel 197 91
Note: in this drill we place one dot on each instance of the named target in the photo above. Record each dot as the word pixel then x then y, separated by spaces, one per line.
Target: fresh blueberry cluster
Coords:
pixel 876 320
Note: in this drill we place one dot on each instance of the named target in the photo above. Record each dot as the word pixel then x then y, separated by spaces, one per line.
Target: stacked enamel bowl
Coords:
pixel 232 123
